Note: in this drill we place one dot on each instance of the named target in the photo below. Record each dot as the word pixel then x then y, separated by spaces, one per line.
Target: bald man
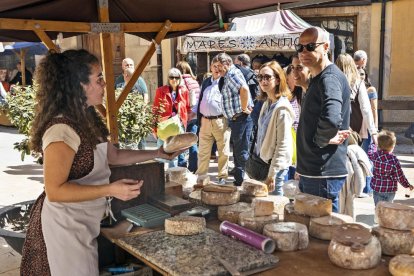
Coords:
pixel 324 122
pixel 122 80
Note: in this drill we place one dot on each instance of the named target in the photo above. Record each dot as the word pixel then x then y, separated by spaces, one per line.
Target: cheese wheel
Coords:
pixel 179 142
pixel 232 212
pixel 395 215
pixel 254 188
pixel 290 215
pixel 394 242
pixel 256 224
pixel 185 226
pixel 313 206
pixel 289 236
pixel 402 265
pixel 323 227
pixel 219 199
pixel 262 207
pixel 367 257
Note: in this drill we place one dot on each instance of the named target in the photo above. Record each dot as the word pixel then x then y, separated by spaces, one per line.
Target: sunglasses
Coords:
pixel 173 78
pixel 265 77
pixel 297 68
pixel 309 47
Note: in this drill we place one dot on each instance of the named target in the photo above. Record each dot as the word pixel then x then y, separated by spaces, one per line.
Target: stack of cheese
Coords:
pixel 395 230
pixel 260 215
pixel 353 247
pixel 183 177
pixel 305 207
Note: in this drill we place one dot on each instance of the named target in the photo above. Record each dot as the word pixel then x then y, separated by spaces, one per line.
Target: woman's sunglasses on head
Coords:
pixel 310 47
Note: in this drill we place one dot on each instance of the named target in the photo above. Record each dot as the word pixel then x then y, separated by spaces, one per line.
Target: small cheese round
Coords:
pixel 232 212
pixel 394 242
pixel 290 215
pixel 219 199
pixel 256 224
pixel 402 265
pixel 254 188
pixel 289 236
pixel 313 206
pixel 368 256
pixel 395 215
pixel 185 226
pixel 323 227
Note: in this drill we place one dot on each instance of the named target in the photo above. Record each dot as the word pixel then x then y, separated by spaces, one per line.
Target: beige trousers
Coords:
pixel 210 131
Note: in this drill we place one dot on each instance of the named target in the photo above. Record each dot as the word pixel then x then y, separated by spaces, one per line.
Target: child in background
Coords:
pixel 387 169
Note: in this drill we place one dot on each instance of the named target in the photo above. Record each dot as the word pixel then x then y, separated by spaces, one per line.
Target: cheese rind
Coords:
pixel 185 226
pixel 313 206
pixel 220 199
pixel 232 212
pixel 248 220
pixel 394 242
pixel 290 215
pixel 289 236
pixel 323 227
pixel 343 256
pixel 395 215
pixel 402 265
pixel 262 207
pixel 254 188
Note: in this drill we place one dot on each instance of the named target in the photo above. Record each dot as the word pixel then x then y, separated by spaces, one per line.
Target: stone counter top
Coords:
pixel 197 254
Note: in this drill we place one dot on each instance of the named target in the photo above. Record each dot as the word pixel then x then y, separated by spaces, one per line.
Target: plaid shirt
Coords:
pixel 233 81
pixel 387 171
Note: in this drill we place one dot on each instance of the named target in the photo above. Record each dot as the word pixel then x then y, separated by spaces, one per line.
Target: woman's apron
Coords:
pixel 70 229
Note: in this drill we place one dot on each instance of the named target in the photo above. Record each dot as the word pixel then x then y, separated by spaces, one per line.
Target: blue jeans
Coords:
pixel 324 187
pixel 193 150
pixel 279 180
pixel 241 129
pixel 365 143
pixel 389 197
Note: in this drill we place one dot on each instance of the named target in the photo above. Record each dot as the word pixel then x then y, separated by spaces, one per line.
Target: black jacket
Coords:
pixel 325 110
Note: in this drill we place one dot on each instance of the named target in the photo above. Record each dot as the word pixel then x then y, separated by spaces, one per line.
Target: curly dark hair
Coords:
pixel 59 92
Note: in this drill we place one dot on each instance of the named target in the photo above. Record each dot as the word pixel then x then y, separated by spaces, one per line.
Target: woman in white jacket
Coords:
pixel 362 119
pixel 274 142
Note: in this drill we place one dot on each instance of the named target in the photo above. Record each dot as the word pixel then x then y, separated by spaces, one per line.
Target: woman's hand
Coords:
pixel 126 189
pixel 169 156
pixel 270 182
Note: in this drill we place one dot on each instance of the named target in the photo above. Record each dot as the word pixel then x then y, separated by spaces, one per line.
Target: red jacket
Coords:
pixel 181 104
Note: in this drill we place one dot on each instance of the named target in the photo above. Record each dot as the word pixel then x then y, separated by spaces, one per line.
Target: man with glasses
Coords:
pixel 324 121
pixel 237 106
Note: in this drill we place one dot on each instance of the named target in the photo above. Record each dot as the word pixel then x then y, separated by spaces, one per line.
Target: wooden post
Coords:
pixel 45 39
pixel 144 61
pixel 108 71
pixel 23 65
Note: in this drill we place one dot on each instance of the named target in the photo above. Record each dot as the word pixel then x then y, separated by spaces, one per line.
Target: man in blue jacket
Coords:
pixel 324 121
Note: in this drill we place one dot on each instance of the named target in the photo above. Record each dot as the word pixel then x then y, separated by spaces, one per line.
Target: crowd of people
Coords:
pixel 294 120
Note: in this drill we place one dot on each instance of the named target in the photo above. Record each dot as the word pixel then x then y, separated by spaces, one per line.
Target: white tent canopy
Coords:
pixel 272 31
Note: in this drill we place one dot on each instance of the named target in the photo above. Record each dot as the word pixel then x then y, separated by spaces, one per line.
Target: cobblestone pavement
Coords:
pixel 22 181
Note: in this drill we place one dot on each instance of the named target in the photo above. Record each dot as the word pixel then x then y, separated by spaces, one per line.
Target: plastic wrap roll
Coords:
pixel 245 235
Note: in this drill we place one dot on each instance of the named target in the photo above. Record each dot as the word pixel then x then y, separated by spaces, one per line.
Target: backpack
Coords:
pixel 356 114
pixel 251 80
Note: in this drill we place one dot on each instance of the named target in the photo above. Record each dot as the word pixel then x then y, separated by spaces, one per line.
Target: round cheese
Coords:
pixel 256 224
pixel 353 247
pixel 254 188
pixel 323 227
pixel 394 242
pixel 402 265
pixel 179 142
pixel 395 215
pixel 313 206
pixel 185 226
pixel 232 212
pixel 219 199
pixel 290 215
pixel 289 236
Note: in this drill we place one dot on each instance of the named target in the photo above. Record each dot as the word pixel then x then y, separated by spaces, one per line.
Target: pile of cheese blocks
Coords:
pixel 396 235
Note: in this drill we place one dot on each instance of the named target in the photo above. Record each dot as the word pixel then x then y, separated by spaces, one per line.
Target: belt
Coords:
pixel 213 117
